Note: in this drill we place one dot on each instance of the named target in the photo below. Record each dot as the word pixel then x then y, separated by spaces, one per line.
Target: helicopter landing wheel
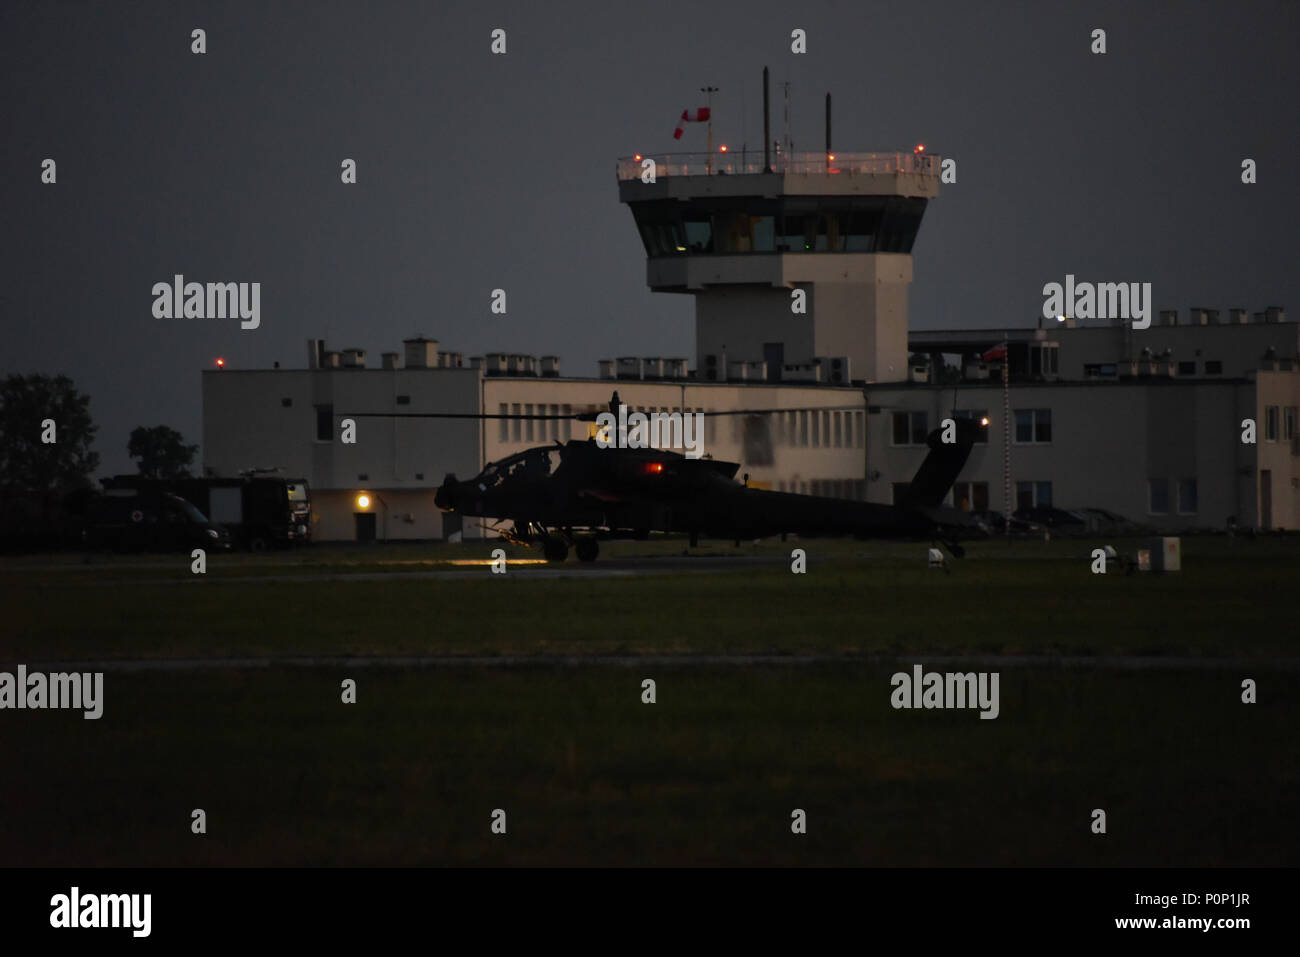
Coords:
pixel 555 549
pixel 588 549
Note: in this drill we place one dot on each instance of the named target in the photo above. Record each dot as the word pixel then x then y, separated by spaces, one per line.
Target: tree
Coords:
pixel 162 452
pixel 46 435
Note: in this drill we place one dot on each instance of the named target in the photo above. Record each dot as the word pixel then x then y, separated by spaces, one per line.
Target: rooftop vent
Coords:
pixel 421 353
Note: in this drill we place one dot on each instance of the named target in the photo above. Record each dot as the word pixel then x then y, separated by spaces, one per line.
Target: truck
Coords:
pixel 259 511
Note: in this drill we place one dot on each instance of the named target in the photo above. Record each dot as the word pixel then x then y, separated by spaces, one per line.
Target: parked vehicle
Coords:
pixel 995 523
pixel 1055 519
pixel 150 521
pixel 1103 520
pixel 259 511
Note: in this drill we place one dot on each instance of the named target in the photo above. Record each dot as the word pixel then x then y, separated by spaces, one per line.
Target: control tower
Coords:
pixel 741 234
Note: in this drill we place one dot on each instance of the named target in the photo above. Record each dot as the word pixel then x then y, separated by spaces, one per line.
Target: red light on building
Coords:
pixel 654 468
pixel 220 363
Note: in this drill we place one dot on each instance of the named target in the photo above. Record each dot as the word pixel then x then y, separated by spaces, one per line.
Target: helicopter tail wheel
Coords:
pixel 555 549
pixel 588 549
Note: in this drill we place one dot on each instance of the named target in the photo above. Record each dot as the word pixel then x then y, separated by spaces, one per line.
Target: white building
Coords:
pixel 800 277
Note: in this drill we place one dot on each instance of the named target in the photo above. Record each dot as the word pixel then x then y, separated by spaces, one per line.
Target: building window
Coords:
pixel 1100 370
pixel 838 418
pixel 528 423
pixel 971 496
pixel 758 440
pixel 909 428
pixel 503 426
pixel 324 423
pixel 1033 426
pixel 1214 367
pixel 566 432
pixel 1158 496
pixel 803 427
pixel 859 429
pixel 516 426
pixel 1187 368
pixel 1289 422
pixel 1044 360
pixel 1187 496
pixel 1270 423
pixel 403 400
pixel 1033 495
pixel 979 415
pixel 816 429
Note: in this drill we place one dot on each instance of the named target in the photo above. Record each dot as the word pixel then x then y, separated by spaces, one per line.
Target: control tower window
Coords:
pixel 699 232
pixel 789 234
pixel 661 229
pixel 728 228
pixel 796 228
pixel 663 239
pixel 860 230
pixel 901 221
pixel 829 239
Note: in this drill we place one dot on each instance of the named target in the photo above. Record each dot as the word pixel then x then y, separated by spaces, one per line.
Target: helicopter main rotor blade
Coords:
pixel 581 416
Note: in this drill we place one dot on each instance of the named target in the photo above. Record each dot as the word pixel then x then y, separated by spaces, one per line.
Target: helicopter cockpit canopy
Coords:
pixel 528 465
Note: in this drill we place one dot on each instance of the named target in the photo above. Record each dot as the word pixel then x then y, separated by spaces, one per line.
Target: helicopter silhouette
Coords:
pixel 581 492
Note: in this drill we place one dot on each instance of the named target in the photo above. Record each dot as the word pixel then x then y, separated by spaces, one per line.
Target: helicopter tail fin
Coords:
pixel 941 467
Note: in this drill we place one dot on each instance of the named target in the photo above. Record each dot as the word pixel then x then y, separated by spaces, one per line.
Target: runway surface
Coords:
pixel 459 569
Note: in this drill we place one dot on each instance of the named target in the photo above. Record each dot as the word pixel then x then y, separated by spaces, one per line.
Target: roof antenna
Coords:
pixel 789 143
pixel 828 131
pixel 767 132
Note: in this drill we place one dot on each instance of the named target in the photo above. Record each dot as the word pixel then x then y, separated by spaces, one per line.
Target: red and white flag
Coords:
pixel 691 116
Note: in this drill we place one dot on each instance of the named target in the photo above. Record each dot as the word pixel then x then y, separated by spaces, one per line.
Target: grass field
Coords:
pixel 588 774
pixel 1027 598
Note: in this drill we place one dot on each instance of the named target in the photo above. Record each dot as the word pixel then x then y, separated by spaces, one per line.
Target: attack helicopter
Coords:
pixel 580 492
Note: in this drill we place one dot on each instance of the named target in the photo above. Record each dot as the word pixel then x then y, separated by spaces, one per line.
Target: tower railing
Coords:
pixel 736 164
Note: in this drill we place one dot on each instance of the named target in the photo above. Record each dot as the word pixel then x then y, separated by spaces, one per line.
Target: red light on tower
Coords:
pixel 220 363
pixel 920 148
pixel 637 158
pixel 722 148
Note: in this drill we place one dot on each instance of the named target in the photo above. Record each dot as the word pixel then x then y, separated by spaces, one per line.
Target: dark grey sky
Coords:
pixel 479 171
